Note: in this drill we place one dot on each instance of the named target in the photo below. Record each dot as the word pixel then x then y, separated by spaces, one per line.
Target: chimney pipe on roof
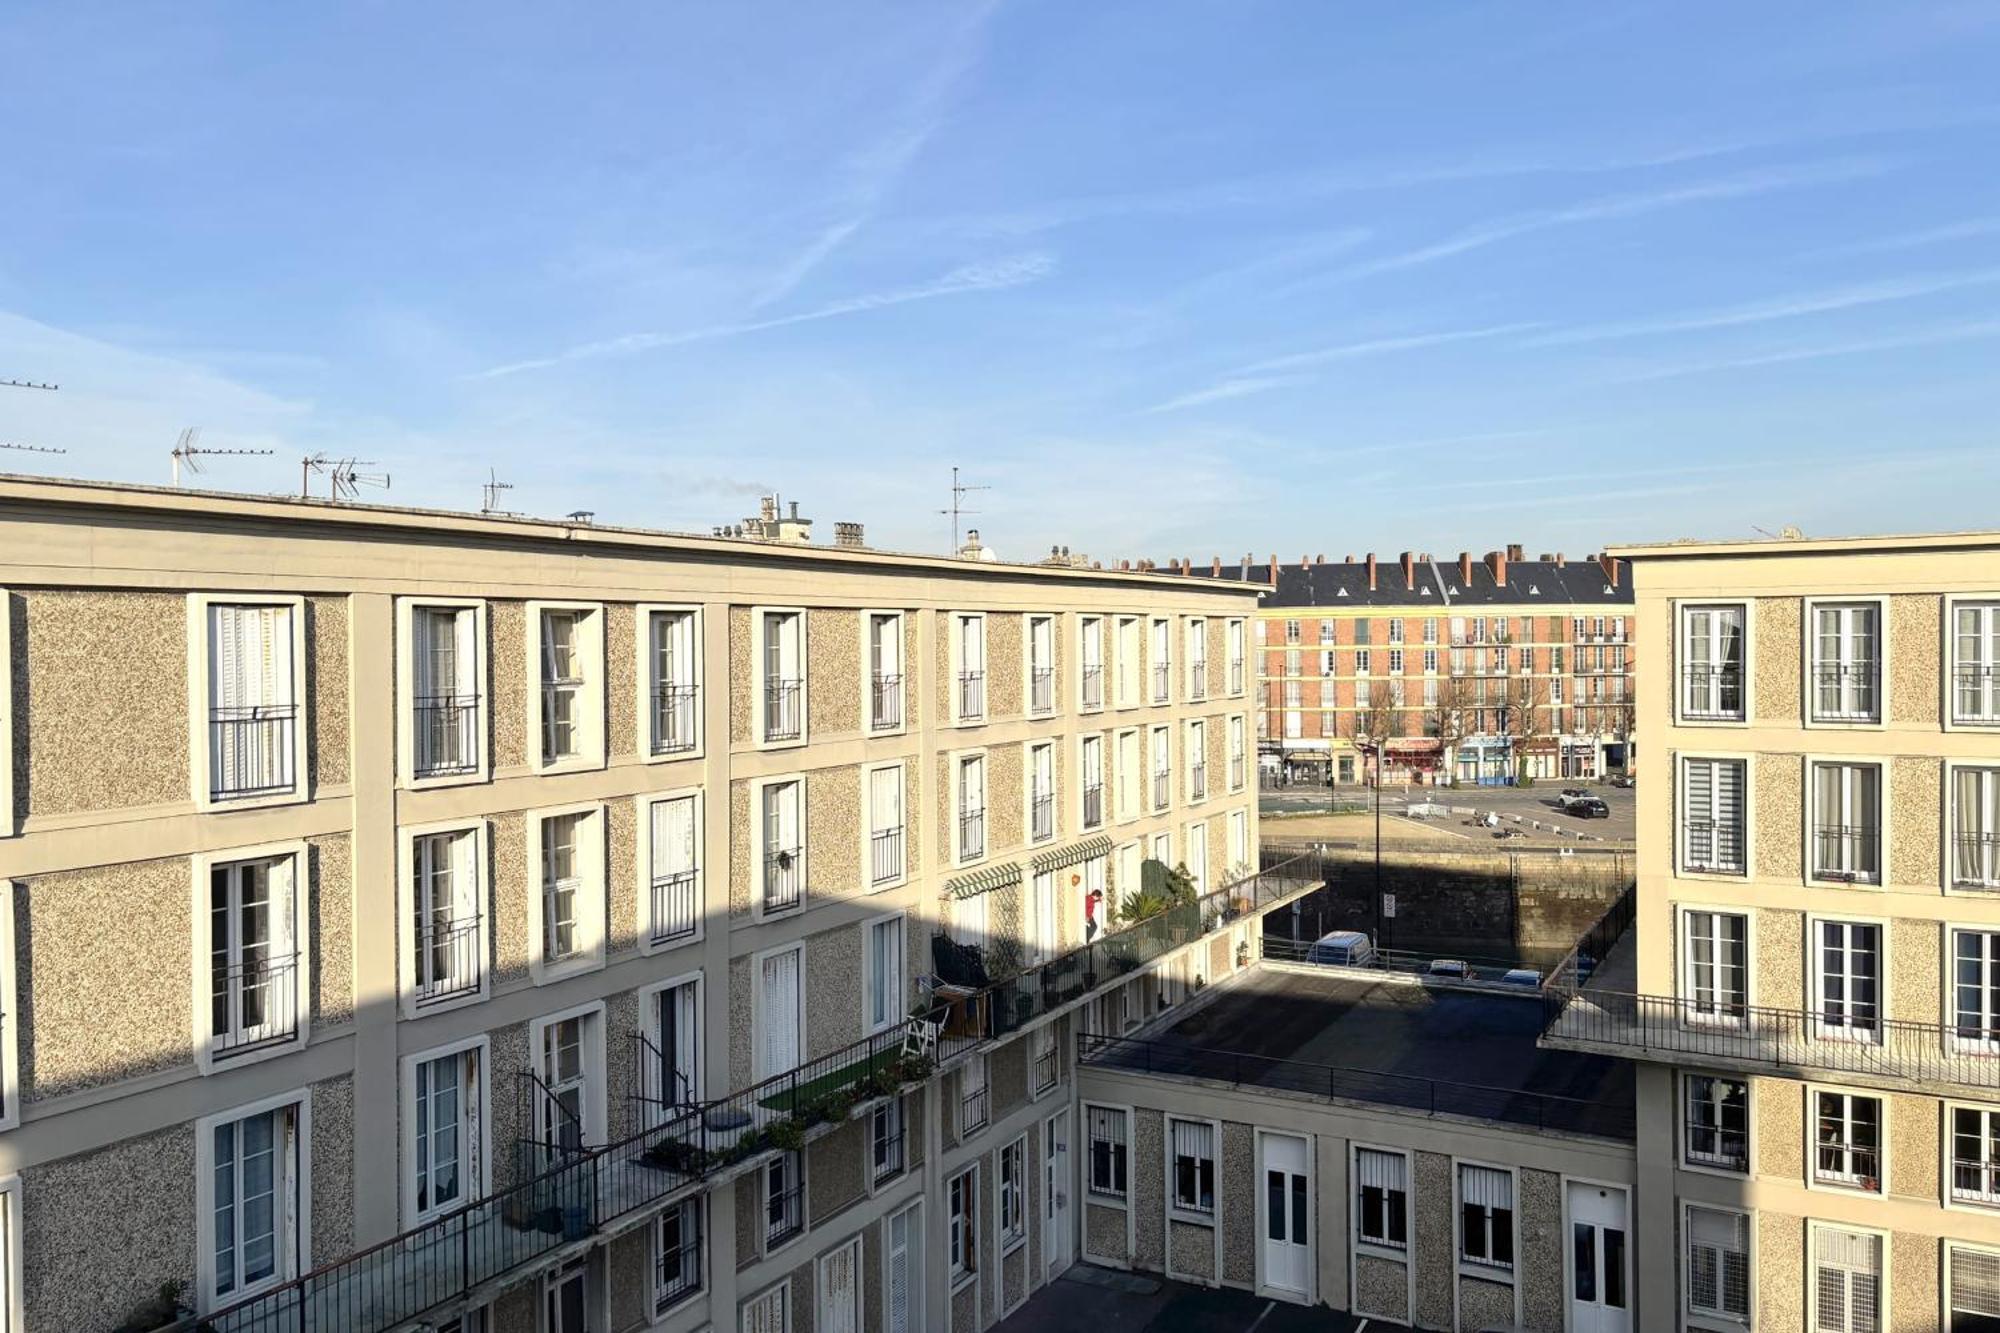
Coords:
pixel 1305 561
pixel 1409 570
pixel 1609 564
pixel 1320 559
pixel 1497 562
pixel 1514 551
pixel 1348 558
pixel 1559 560
pixel 1371 571
pixel 1215 566
pixel 1274 569
pixel 1465 569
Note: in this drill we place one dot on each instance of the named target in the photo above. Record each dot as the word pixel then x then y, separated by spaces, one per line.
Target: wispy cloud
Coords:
pixel 1378 346
pixel 1227 389
pixel 1969 332
pixel 1971 229
pixel 986 276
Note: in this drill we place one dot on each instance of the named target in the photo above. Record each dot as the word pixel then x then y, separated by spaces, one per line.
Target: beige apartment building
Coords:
pixel 1813 986
pixel 479 923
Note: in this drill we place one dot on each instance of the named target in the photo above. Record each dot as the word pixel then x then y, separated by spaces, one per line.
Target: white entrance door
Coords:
pixel 1055 1193
pixel 1599 1276
pixel 1287 1208
pixel 566 1299
pixel 903 1306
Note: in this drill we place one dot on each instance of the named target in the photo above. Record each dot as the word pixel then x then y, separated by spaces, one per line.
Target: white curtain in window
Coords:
pixel 778 1038
pixel 1484 1187
pixel 1379 1170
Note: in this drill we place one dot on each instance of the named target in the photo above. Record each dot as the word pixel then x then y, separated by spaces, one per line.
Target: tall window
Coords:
pixel 1161 746
pixel 1090 663
pixel 447 936
pixel 1197 760
pixel 1975 1288
pixel 1975 987
pixel 1975 664
pixel 1715 966
pixel 1975 1155
pixel 971 807
pixel 1847 979
pixel 1162 663
pixel 973 1103
pixel 572 899
pixel 1239 753
pixel 769 1312
pixel 568 1098
pixel 779 1012
pixel 1130 774
pixel 669 1041
pixel 1041 791
pixel 1125 658
pixel 962 1202
pixel 1846 1280
pixel 885 671
pixel 677 1254
pixel 1846 667
pixel 1093 781
pixel 885 1140
pixel 1716 1131
pixel 1847 1140
pixel 1975 828
pixel 784 1198
pixel 562 685
pixel 1041 665
pixel 1239 842
pixel 1014 1192
pixel 445 722
pixel 1193 1145
pixel 1718 1263
pixel 1107 1151
pixel 1712 647
pixel 673 664
pixel 784 676
pixel 1197 658
pixel 255 972
pixel 1235 637
pixel 1713 815
pixel 254 736
pixel 885 825
pixel 969 648
pixel 782 878
pixel 1486 1216
pixel 1382 1204
pixel 446 1092
pixel 883 993
pixel 1847 822
pixel 673 854
pixel 254 1165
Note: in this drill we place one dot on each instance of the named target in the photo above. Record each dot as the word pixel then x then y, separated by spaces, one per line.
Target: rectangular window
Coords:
pixel 1715 966
pixel 1975 987
pixel 670 1076
pixel 1846 667
pixel 569 1103
pixel 1291 631
pixel 253 1167
pixel 885 671
pixel 1197 658
pixel 1712 646
pixel 1975 663
pixel 1975 1155
pixel 840 1289
pixel 1041 666
pixel 886 857
pixel 1239 753
pixel 784 1199
pixel 447 731
pixel 569 636
pixel 1847 1140
pixel 883 986
pixel 1975 828
pixel 1239 843
pixel 782 880
pixel 1846 1280
pixel 1361 661
pixel 572 898
pixel 673 682
pixel 1041 792
pixel 971 807
pixel 1162 663
pixel 1847 980
pixel 1326 631
pixel 256 968
pixel 1847 823
pixel 968 646
pixel 1716 1128
pixel 770 1312
pixel 1235 636
pixel 1395 631
pixel 1486 1216
pixel 1194 1165
pixel 1197 760
pixel 255 737
pixel 448 938
pixel 1044 1061
pixel 677 1254
pixel 885 1140
pixel 963 1204
pixel 1381 1198
pixel 1126 660
pixel 447 1093
pixel 1013 1193
pixel 1093 782
pixel 673 868
pixel 1160 745
pixel 1712 816
pixel 1718 1263
pixel 1130 775
pixel 972 1096
pixel 1107 1151
pixel 783 662
pixel 1090 663
pixel 1395 661
pixel 780 1010
pixel 1975 1288
pixel 1197 855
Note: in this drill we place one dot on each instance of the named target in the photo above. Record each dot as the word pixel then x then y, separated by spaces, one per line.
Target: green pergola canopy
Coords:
pixel 983 881
pixel 1070 855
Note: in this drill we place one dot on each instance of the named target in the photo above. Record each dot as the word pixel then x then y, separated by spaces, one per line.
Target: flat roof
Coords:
pixel 1456 1049
pixel 1690 547
pixel 361 521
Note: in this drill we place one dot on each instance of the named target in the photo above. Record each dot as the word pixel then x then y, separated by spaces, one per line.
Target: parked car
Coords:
pixel 1589 807
pixel 1623 780
pixel 1456 968
pixel 1525 977
pixel 1342 948
pixel 1568 794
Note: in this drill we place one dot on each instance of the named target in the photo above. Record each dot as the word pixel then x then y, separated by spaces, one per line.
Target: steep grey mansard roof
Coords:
pixel 1529 583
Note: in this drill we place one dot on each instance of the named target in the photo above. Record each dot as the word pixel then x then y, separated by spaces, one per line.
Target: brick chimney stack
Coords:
pixel 1215 566
pixel 1371 571
pixel 1497 562
pixel 1274 569
pixel 1609 564
pixel 1409 570
pixel 1465 569
pixel 1514 551
pixel 1560 562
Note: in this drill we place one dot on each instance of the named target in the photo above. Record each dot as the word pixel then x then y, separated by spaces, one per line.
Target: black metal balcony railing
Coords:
pixel 886 1153
pixel 971 695
pixel 1093 806
pixel 1093 686
pixel 1847 853
pixel 1975 693
pixel 972 1107
pixel 450 957
pixel 1836 1162
pixel 1042 690
pixel 250 751
pixel 971 834
pixel 1719 1146
pixel 1048 1066
pixel 1337 1082
pixel 677 1271
pixel 676 905
pixel 444 731
pixel 253 1004
pixel 784 879
pixel 885 702
pixel 783 718
pixel 1975 1181
pixel 676 711
pixel 1713 692
pixel 1162 789
pixel 1042 815
pixel 1163 682
pixel 1711 847
pixel 1198 679
pixel 885 855
pixel 1236 675
pixel 1198 782
pixel 1975 861
pixel 784 1214
pixel 1845 691
pixel 1237 772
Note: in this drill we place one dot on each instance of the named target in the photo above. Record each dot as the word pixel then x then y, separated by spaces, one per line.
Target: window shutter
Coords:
pixel 1486 1188
pixel 1975 1282
pixel 464 653
pixel 781 1012
pixel 283 912
pixel 673 836
pixel 1379 1170
pixel 465 875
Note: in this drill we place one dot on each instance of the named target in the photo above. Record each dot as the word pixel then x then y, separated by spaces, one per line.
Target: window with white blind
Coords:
pixel 1847 979
pixel 1713 816
pixel 1974 852
pixel 1715 965
pixel 444 1151
pixel 1125 661
pixel 969 828
pixel 1090 663
pixel 1847 822
pixel 968 657
pixel 1162 667
pixel 567 849
pixel 250 1172
pixel 444 688
pixel 1973 1287
pixel 1237 676
pixel 670 868
pixel 670 677
pixel 1381 1198
pixel 885 671
pixel 568 1114
pixel 567 705
pixel 882 973
pixel 1847 1140
pixel 780 692
pixel 780 1012
pixel 1014 1193
pixel 1239 842
pixel 1718 1263
pixel 1197 761
pixel 962 1240
pixel 252 946
pixel 1844 667
pixel 1239 753
pixel 1041 791
pixel 770 1312
pixel 1975 1155
pixel 1975 989
pixel 886 843
pixel 677 1254
pixel 839 1290
pixel 1713 649
pixel 1193 1153
pixel 1128 775
pixel 1107 1151
pixel 1160 750
pixel 1975 663
pixel 1197 855
pixel 1846 1280
pixel 1486 1216
pixel 780 868
pixel 253 738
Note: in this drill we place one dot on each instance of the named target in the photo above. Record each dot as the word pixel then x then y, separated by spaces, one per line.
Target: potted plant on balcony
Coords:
pixel 164 1308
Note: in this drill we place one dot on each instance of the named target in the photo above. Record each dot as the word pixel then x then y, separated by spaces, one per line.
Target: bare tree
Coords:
pixel 1377 721
pixel 1448 716
pixel 1524 714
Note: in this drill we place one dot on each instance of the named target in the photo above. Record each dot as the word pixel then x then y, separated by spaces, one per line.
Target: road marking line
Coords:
pixel 1361 1327
pixel 1268 1307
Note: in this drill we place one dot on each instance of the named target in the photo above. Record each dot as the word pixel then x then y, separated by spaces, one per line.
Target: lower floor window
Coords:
pixel 1486 1216
pixel 677 1254
pixel 1107 1151
pixel 1718 1263
pixel 885 1134
pixel 1846 1281
pixel 784 1198
pixel 1975 1289
pixel 963 1202
pixel 1194 1166
pixel 1384 1200
pixel 770 1312
pixel 1013 1191
pixel 253 1176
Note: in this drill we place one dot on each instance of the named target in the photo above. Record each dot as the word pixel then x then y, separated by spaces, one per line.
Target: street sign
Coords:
pixel 1388 906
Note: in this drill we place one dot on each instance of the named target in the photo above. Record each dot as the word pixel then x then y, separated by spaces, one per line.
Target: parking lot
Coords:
pixel 1539 802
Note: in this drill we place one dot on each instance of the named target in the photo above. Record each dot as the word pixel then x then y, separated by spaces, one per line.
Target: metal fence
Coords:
pixel 445 734
pixel 250 750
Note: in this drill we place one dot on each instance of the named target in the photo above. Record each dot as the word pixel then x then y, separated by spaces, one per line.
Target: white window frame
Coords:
pixel 1814 1230
pixel 297 1256
pixel 1989 1202
pixel 781 1293
pixel 1948 873
pixel 1813 765
pixel 1159 746
pixel 1238 752
pixel 1809 656
pixel 1363 1243
pixel 1194 1212
pixel 1683 867
pixel 406 692
pixel 1104 803
pixel 203 864
pixel 1836 1183
pixel 1086 625
pixel 1983 1046
pixel 869 616
pixel 1684 980
pixel 649 925
pixel 758 1018
pixel 759 848
pixel 1119 1197
pixel 869 884
pixel 1684 659
pixel 1684 1101
pixel 1484 1268
pixel 593 833
pixel 823 1289
pixel 406 911
pixel 1159 653
pixel 480 1138
pixel 1951 1250
pixel 200 688
pixel 664 1300
pixel 1042 1041
pixel 892 1110
pixel 647 673
pixel 957 625
pixel 898 1006
pixel 1197 862
pixel 10 1024
pixel 1194 755
pixel 1239 840
pixel 1128 655
pixel 1815 959
pixel 759 701
pixel 1689 1309
pixel 1949 705
pixel 596 1082
pixel 1129 798
pixel 650 1025
pixel 962 762
pixel 1237 652
pixel 1028 667
pixel 1028 794
pixel 590 749
pixel 961 1249
pixel 1012 1237
pixel 1196 652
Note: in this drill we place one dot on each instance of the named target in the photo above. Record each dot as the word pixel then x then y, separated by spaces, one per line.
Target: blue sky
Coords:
pixel 1172 278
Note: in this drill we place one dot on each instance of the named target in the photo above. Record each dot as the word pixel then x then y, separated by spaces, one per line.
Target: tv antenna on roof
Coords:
pixel 187 451
pixel 28 384
pixel 30 448
pixel 346 479
pixel 489 493
pixel 959 491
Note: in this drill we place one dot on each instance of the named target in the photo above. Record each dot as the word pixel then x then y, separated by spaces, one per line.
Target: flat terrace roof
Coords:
pixel 1434 1047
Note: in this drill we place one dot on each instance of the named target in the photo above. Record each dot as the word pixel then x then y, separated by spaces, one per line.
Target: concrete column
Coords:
pixel 371 668
pixel 1654 1246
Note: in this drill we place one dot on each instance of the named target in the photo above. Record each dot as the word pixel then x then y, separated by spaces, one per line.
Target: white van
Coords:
pixel 1342 948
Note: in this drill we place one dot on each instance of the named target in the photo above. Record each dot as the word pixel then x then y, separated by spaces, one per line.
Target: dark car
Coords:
pixel 1589 807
